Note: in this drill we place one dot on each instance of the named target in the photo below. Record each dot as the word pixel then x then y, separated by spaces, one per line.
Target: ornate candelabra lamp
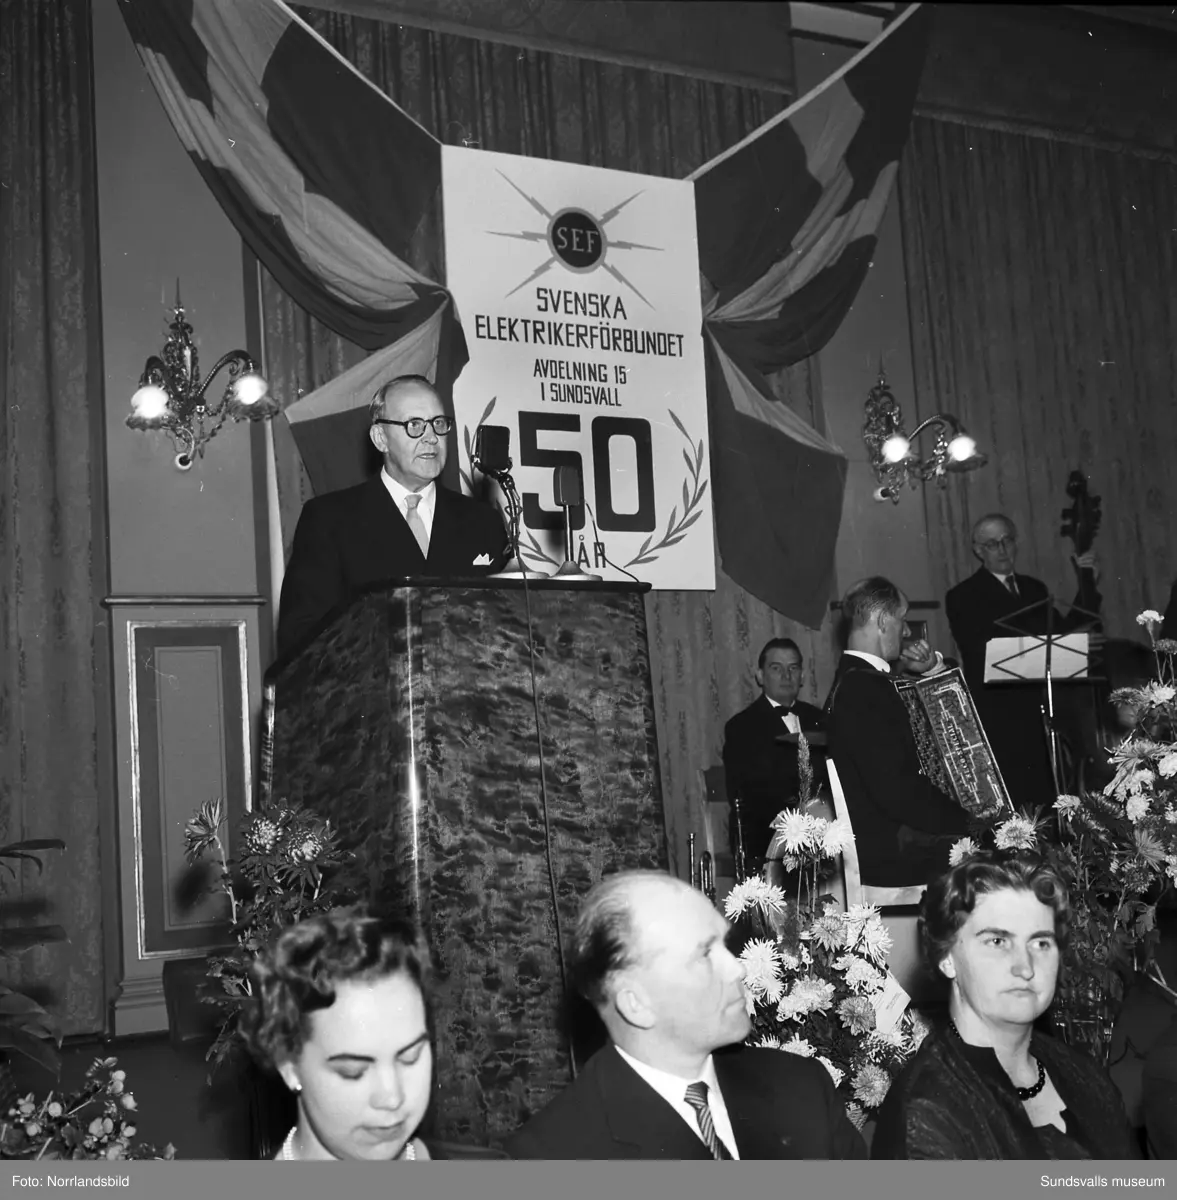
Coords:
pixel 892 451
pixel 171 394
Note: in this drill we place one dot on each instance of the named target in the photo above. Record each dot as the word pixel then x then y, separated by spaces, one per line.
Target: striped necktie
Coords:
pixel 1011 585
pixel 416 525
pixel 696 1097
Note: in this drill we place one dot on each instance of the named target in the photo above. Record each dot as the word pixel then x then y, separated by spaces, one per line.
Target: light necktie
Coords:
pixel 1011 585
pixel 696 1097
pixel 416 525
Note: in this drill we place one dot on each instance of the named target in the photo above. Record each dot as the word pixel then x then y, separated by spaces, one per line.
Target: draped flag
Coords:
pixel 333 187
pixel 788 221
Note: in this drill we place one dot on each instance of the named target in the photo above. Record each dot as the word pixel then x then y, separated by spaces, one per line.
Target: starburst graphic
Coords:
pixel 546 236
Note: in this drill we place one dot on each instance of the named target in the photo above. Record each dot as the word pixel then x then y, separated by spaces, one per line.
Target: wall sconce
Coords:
pixel 171 395
pixel 892 451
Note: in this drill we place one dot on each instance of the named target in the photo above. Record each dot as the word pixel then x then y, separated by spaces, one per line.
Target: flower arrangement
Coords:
pixel 96 1121
pixel 815 977
pixel 290 867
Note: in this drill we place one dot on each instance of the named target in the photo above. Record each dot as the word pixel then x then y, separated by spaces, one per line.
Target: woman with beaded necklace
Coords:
pixel 341 1012
pixel 988 1085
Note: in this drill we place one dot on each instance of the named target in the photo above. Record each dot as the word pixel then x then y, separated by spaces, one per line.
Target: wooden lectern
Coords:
pixel 410 721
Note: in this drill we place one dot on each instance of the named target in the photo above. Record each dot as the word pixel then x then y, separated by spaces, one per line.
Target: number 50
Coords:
pixel 603 431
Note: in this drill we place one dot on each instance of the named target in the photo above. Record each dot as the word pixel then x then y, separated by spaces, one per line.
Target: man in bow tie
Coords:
pixel 760 770
pixel 675 1081
pixel 399 523
pixel 1009 712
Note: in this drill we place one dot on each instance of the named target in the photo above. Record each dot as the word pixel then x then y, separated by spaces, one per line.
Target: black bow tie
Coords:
pixel 783 711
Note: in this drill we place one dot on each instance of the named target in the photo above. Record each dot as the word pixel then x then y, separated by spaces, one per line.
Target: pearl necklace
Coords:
pixel 409 1153
pixel 1024 1093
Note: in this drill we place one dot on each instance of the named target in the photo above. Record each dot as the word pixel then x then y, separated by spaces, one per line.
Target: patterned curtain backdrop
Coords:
pixel 50 416
pixel 554 106
pixel 1041 279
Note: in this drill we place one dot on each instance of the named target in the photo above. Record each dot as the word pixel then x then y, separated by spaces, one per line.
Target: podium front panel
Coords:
pixel 411 721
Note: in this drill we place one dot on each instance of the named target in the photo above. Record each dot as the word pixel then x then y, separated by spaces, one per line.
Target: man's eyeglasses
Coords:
pixel 415 426
pixel 999 543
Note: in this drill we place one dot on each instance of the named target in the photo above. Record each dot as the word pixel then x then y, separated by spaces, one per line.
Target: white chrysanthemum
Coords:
pixel 1150 616
pixel 790 1008
pixel 871 1085
pixel 762 969
pixel 1067 804
pixel 812 994
pixel 798 1045
pixel 789 962
pixel 1136 809
pixel 892 1039
pixel 856 916
pixel 1168 765
pixel 836 1074
pixel 1171 866
pixel 1015 834
pixel 1158 693
pixel 794 830
pixel 861 976
pixel 1140 780
pixel 837 837
pixel 806 957
pixel 919 1029
pixel 876 941
pixel 962 849
pixel 751 892
pixel 768 1042
pixel 1171 814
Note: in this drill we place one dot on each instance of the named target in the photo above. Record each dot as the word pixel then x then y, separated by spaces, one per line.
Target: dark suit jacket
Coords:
pixel 763 771
pixel 354 538
pixel 874 750
pixel 780 1105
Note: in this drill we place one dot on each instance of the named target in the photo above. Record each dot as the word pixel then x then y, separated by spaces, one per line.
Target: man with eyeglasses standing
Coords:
pixel 400 522
pixel 758 768
pixel 1010 713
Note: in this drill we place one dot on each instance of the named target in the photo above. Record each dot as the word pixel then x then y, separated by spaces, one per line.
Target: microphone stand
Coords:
pixel 568 569
pixel 515 567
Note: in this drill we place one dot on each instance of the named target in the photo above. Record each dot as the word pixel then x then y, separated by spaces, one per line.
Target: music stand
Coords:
pixel 1010 659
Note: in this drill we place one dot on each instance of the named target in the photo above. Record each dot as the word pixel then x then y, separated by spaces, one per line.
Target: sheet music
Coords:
pixel 1010 659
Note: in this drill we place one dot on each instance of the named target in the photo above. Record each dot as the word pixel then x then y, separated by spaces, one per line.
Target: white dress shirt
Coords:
pixel 673 1090
pixel 880 664
pixel 425 508
pixel 792 721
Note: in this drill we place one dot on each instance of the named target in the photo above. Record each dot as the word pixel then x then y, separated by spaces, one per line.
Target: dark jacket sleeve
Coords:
pixel 314 582
pixel 732 759
pixel 869 730
pixel 916 1129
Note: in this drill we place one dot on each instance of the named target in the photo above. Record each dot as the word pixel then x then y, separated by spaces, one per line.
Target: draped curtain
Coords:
pixel 1041 279
pixel 52 557
pixel 554 106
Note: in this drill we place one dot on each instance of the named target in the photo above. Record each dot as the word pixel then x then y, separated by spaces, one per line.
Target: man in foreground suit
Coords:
pixel 1010 712
pixel 903 823
pixel 400 522
pixel 758 769
pixel 649 953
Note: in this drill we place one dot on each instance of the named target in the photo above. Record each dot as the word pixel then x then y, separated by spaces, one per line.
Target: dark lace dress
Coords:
pixel 955 1101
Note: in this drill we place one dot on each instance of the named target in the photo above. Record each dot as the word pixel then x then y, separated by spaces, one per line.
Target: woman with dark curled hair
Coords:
pixel 341 1012
pixel 988 1085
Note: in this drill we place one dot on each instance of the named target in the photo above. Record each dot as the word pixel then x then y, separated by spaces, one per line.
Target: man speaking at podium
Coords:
pixel 1010 713
pixel 400 522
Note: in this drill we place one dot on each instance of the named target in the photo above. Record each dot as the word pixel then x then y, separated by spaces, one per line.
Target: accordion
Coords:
pixel 954 751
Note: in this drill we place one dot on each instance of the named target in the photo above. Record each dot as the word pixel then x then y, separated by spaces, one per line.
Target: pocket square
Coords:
pixel 483 560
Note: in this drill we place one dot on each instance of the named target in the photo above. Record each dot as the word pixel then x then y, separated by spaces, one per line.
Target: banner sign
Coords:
pixel 578 291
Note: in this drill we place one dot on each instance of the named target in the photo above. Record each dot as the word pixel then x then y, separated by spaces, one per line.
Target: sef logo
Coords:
pixel 577 240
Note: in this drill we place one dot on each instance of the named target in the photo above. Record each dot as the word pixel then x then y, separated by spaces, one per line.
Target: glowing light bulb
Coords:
pixel 896 448
pixel 250 388
pixel 962 448
pixel 150 402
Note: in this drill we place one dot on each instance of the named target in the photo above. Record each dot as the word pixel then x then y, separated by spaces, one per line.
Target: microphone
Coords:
pixel 568 490
pixel 884 493
pixel 569 495
pixel 492 449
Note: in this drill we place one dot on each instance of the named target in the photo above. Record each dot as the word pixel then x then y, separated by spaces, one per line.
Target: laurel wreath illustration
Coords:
pixel 694 488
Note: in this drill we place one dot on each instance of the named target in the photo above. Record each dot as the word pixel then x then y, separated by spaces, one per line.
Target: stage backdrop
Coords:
pixel 578 289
